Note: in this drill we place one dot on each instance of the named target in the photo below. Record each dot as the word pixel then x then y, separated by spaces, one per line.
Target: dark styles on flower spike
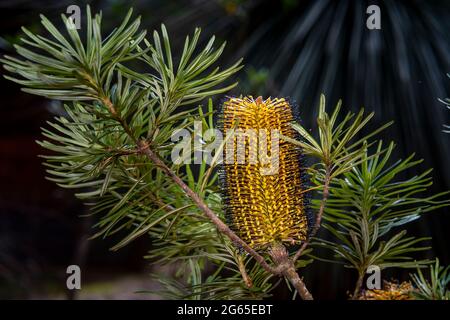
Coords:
pixel 263 207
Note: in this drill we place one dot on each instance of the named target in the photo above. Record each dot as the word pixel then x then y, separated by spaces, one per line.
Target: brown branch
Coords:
pixel 221 226
pixel 287 268
pixel 291 274
pixel 247 280
pixel 359 283
pixel 107 102
pixel 317 223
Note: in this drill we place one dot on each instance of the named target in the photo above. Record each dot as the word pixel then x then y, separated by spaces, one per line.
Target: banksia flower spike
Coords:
pixel 261 177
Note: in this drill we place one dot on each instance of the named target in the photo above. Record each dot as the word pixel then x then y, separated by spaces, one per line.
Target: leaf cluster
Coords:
pixel 437 287
pixel 368 203
pixel 368 200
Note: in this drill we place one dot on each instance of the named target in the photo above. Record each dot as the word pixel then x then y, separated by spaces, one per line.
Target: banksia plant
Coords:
pixel 264 195
pixel 113 145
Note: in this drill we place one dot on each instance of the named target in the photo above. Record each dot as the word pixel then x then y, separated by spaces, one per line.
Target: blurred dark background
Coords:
pixel 293 48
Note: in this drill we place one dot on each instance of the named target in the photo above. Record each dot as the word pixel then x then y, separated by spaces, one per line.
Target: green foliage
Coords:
pixel 338 149
pixel 368 203
pixel 438 288
pixel 197 248
pixel 112 108
pixel 366 199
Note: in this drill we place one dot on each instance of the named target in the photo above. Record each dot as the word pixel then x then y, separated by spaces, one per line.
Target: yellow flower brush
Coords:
pixel 264 203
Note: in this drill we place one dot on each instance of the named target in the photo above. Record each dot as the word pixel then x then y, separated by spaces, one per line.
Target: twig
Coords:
pixel 247 280
pixel 317 223
pixel 281 257
pixel 358 286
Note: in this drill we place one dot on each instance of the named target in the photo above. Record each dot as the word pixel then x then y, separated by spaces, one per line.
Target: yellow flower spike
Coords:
pixel 261 177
